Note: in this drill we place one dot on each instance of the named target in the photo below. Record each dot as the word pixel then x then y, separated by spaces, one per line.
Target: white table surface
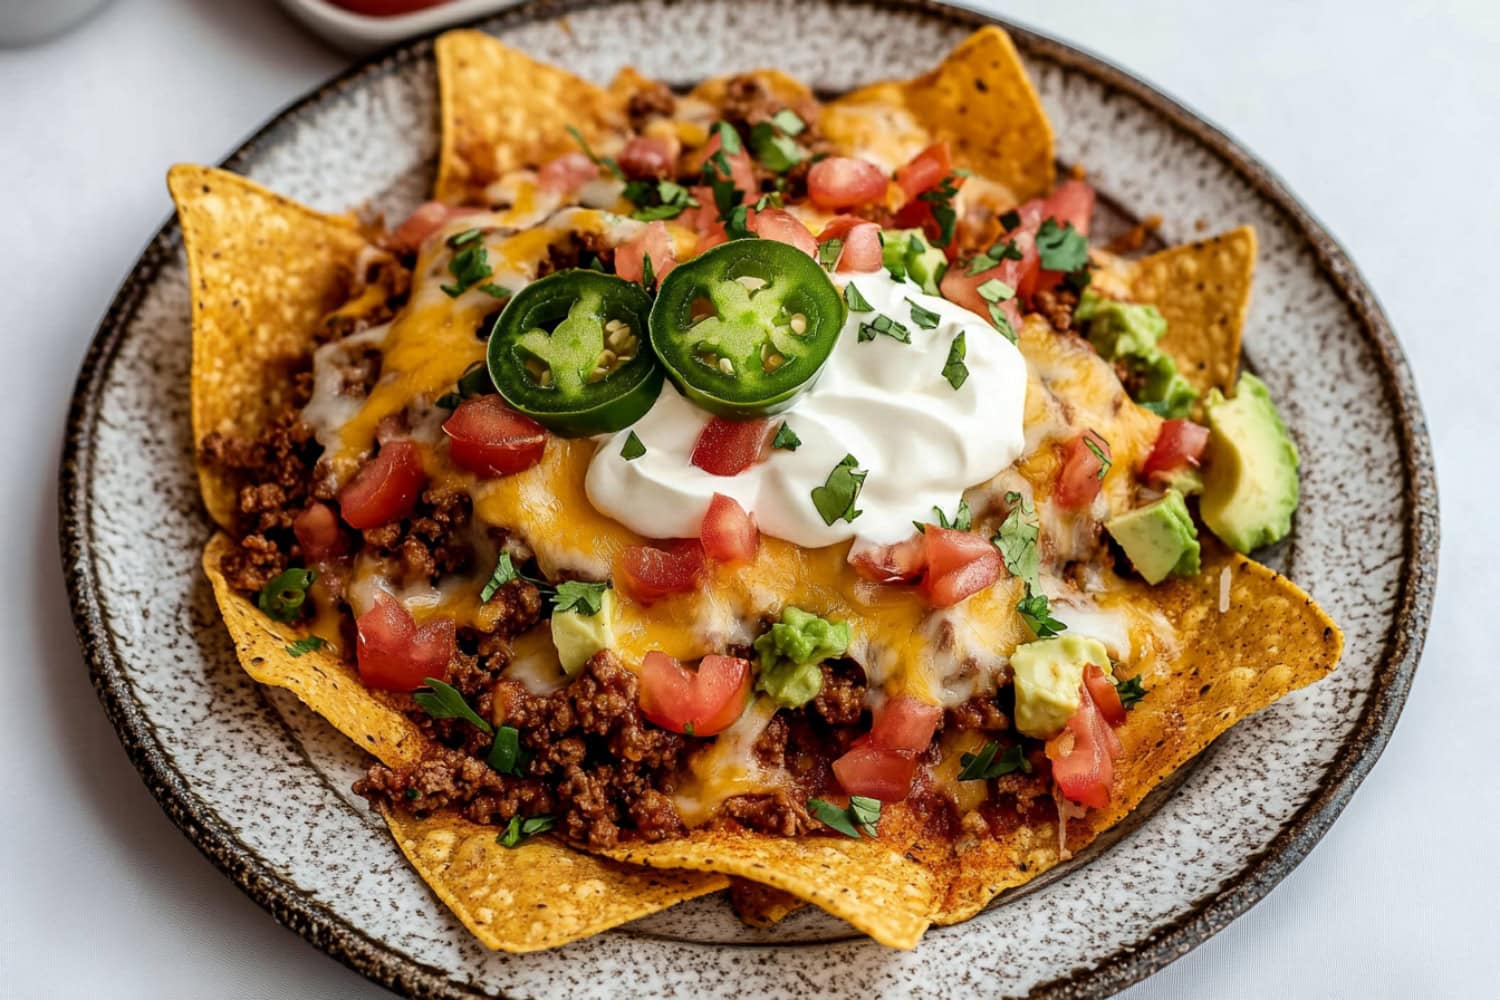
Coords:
pixel 1386 123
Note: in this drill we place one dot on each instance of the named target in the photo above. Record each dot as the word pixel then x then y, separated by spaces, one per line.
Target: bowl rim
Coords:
pixel 330 933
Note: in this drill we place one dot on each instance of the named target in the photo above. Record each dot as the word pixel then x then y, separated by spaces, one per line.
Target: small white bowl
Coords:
pixel 359 33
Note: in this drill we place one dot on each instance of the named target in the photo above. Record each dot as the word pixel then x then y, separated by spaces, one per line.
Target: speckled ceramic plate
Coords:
pixel 261 786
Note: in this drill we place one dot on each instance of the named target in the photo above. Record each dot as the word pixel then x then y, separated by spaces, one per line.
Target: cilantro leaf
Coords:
pixel 835 499
pixel 787 120
pixel 729 139
pixel 1101 452
pixel 306 644
pixel 441 701
pixel 1130 691
pixel 603 161
pixel 828 253
pixel 777 153
pixel 1002 251
pixel 786 439
pixel 633 448
pixel 469 267
pixel 963 518
pixel 459 240
pixel 941 200
pixel 1017 541
pixel 856 302
pixel 862 814
pixel 995 291
pixel 505 753
pixel 519 830
pixel 983 765
pixel 1037 614
pixel 495 291
pixel 924 318
pixel 884 324
pixel 954 369
pixel 1061 248
pixel 505 572
pixel 580 596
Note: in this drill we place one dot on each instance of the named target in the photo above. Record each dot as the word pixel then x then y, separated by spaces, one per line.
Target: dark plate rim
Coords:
pixel 1110 973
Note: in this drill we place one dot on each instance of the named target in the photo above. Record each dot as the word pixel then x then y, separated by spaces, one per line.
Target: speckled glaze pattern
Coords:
pixel 261 785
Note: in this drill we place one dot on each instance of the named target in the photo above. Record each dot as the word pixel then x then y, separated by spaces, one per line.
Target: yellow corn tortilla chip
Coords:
pixel 501 110
pixel 760 905
pixel 1203 291
pixel 264 271
pixel 540 894
pixel 867 883
pixel 1272 639
pixel 319 677
pixel 979 99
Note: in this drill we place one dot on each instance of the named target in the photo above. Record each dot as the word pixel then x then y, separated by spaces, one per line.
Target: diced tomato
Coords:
pixel 1179 443
pixel 630 257
pixel 567 173
pixel 393 654
pixel 647 573
pixel 902 562
pixel 318 532
pixel 1102 690
pixel 704 219
pixel 904 723
pixel 925 170
pixel 429 217
pixel 845 181
pixel 782 226
pixel 385 488
pixel 876 773
pixel 647 156
pixel 699 703
pixel 959 563
pixel 488 438
pixel 728 533
pixel 1072 201
pixel 1082 473
pixel 741 170
pixel 1083 755
pixel 862 250
pixel 729 447
pixel 960 286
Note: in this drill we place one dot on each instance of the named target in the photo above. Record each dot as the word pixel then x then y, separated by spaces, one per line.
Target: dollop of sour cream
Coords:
pixel 887 403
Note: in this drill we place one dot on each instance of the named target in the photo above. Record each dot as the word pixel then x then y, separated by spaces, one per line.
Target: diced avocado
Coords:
pixel 1159 538
pixel 1185 479
pixel 1047 676
pixel 909 255
pixel 1129 333
pixel 1249 468
pixel 578 636
pixel 790 652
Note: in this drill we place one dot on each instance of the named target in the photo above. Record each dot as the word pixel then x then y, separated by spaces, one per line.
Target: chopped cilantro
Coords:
pixel 924 318
pixel 729 139
pixel 828 253
pixel 856 301
pixel 306 644
pixel 494 291
pixel 1004 250
pixel 1130 691
pixel 1017 541
pixel 884 324
pixel 835 499
pixel 459 240
pixel 1037 614
pixel 1061 248
pixel 581 597
pixel 442 701
pixel 786 119
pixel 941 200
pixel 518 830
pixel 963 518
pixel 505 754
pixel 995 290
pixel 633 448
pixel 1101 453
pixel 648 272
pixel 862 814
pixel 954 369
pixel 505 572
pixel 786 439
pixel 469 267
pixel 983 765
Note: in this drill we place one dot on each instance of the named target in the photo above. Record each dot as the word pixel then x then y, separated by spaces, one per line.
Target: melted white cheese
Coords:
pixel 921 441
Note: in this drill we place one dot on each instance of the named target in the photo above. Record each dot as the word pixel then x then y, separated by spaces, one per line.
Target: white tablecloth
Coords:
pixel 1386 122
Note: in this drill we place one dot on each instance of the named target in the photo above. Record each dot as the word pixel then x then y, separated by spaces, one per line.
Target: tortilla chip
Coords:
pixel 786 89
pixel 319 677
pixel 501 110
pixel 264 271
pixel 538 895
pixel 759 905
pixel 1273 639
pixel 1203 291
pixel 875 888
pixel 979 99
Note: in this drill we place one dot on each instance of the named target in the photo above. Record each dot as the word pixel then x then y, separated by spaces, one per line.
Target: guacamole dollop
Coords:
pixel 790 652
pixel 1129 333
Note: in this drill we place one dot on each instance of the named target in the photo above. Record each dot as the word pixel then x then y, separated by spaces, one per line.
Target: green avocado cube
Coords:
pixel 578 636
pixel 1047 675
pixel 909 255
pixel 1250 467
pixel 1160 538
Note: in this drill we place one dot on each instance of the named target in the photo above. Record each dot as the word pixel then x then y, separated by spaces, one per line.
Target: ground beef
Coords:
pixel 576 250
pixel 432 542
pixel 1057 306
pixel 841 700
pixel 775 813
pixel 980 713
pixel 606 767
pixel 748 101
pixel 654 100
pixel 451 779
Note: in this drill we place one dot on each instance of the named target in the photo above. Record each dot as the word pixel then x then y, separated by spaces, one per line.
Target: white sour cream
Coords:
pixel 887 403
